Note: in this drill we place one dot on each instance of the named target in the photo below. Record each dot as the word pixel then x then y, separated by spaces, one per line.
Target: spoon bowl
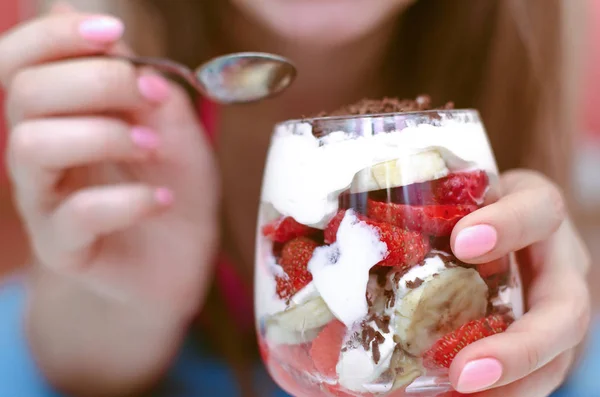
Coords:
pixel 230 79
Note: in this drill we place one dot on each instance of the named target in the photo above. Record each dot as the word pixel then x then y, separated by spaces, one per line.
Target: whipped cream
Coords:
pixel 341 271
pixel 431 266
pixel 265 293
pixel 304 174
pixel 357 369
pixel 305 294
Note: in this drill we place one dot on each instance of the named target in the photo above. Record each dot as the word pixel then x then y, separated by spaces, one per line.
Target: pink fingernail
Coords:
pixel 479 375
pixel 102 29
pixel 475 241
pixel 153 87
pixel 164 196
pixel 145 138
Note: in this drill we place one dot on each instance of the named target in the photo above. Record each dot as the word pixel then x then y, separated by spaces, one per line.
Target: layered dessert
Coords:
pixel 358 292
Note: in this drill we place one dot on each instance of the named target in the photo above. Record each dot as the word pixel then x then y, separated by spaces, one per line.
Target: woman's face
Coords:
pixel 325 22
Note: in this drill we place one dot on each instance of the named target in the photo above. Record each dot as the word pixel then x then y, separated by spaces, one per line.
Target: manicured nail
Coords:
pixel 153 87
pixel 102 29
pixel 475 241
pixel 164 196
pixel 145 138
pixel 479 375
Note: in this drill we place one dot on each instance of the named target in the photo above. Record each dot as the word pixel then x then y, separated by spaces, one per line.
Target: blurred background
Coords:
pixel 585 185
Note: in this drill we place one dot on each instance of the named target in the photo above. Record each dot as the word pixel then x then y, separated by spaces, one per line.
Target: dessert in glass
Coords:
pixel 357 290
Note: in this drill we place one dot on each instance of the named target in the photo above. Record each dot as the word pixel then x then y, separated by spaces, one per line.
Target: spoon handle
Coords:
pixel 164 65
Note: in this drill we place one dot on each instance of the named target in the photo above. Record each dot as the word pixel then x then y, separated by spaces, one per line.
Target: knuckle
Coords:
pixel 555 197
pixel 21 93
pixel 81 209
pixel 532 357
pixel 23 144
pixel 109 78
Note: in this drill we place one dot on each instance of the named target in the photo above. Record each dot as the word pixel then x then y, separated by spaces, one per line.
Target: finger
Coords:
pixel 39 151
pixel 541 383
pixel 557 322
pixel 61 7
pixel 99 211
pixel 83 86
pixel 531 211
pixel 56 36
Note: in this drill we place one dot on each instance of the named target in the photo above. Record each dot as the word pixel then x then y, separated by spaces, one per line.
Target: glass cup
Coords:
pixel 357 290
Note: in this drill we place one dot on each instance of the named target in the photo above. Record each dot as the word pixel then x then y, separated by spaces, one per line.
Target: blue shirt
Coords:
pixel 195 373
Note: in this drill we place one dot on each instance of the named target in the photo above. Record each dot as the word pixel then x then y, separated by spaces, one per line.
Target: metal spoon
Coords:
pixel 235 78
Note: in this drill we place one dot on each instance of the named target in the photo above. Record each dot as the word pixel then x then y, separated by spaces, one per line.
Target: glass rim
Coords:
pixel 410 115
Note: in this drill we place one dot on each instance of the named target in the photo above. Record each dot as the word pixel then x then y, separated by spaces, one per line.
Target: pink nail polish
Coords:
pixel 153 87
pixel 145 138
pixel 164 196
pixel 102 29
pixel 479 375
pixel 475 241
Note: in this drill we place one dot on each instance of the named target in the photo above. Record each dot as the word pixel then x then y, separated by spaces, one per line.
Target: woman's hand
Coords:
pixel 112 175
pixel 117 188
pixel 533 357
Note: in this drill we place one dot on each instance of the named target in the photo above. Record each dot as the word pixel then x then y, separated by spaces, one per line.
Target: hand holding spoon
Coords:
pixel 235 78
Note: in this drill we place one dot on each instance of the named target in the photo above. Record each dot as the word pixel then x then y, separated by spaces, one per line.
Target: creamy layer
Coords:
pixel 305 174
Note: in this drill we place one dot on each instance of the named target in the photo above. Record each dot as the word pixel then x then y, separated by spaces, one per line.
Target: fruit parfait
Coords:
pixel 358 292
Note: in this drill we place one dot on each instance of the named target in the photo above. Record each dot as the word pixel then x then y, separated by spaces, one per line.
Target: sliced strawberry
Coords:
pixel 405 248
pixel 294 259
pixel 461 188
pixel 296 356
pixel 415 194
pixel 327 347
pixel 499 266
pixel 444 350
pixel 286 228
pixel 333 226
pixel 434 220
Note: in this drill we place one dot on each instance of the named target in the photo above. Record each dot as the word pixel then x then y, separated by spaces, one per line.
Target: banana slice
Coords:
pixel 414 168
pixel 406 369
pixel 309 315
pixel 277 335
pixel 437 304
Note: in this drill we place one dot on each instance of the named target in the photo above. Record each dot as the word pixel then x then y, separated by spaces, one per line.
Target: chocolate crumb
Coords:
pixel 386 105
pixel 381 272
pixel 376 353
pixel 390 298
pixel 416 283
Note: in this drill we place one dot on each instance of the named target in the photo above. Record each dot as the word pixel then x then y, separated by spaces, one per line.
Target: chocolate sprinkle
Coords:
pixel 386 105
pixel 414 284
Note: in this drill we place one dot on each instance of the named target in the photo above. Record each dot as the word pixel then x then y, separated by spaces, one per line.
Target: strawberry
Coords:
pixel 461 188
pixel 327 347
pixel 499 266
pixel 294 259
pixel 434 220
pixel 333 226
pixel 286 228
pixel 405 248
pixel 296 356
pixel 444 350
